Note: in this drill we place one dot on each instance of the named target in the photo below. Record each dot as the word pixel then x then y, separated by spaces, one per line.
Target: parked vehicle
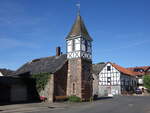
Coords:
pixel 110 95
pixel 138 91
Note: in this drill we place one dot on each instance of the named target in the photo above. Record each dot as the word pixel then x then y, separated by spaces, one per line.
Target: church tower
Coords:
pixel 79 55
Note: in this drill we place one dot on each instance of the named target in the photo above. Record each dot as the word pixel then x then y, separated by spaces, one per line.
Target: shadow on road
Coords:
pixel 103 98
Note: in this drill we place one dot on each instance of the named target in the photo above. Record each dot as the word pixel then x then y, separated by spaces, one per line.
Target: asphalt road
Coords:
pixel 115 105
pixel 127 104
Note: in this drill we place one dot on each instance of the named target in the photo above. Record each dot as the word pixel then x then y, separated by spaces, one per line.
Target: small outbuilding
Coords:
pixel 13 89
pixel 50 74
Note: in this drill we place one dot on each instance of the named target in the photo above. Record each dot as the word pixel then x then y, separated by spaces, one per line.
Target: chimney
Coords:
pixel 58 51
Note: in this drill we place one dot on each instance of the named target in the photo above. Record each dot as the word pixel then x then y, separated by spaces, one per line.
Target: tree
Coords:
pixel 147 81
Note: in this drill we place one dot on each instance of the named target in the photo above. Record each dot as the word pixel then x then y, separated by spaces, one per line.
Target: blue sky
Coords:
pixel 32 29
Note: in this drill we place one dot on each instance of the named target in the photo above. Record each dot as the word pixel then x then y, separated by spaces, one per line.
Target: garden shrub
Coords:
pixel 147 81
pixel 74 99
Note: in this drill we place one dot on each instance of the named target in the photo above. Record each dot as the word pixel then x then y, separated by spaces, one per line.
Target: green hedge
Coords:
pixel 74 99
pixel 147 81
pixel 41 80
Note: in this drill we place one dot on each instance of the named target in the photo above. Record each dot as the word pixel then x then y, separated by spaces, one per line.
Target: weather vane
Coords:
pixel 78 7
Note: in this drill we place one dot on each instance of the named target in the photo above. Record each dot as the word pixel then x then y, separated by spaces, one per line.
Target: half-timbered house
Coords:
pixel 115 80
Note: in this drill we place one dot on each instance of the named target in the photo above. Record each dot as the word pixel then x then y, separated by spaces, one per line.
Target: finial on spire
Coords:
pixel 78 7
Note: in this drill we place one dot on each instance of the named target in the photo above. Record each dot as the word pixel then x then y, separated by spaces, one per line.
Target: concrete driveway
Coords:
pixel 122 104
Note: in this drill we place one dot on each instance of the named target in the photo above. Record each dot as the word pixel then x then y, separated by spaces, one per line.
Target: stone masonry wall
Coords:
pixel 60 81
pixel 95 84
pixel 74 77
pixel 87 87
pixel 48 91
pixel 79 74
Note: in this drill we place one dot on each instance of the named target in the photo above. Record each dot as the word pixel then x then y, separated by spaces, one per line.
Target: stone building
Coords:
pixel 79 55
pixel 56 67
pixel 70 74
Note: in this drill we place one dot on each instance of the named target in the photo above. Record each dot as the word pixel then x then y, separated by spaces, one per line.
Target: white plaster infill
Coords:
pixel 1 74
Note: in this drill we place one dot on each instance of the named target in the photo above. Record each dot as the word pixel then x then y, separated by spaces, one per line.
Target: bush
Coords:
pixel 147 81
pixel 74 99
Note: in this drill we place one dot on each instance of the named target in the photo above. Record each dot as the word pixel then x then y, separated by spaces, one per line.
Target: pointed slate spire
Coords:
pixel 79 29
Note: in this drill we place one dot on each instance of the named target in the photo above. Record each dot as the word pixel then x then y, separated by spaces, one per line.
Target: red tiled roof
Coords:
pixel 123 70
pixel 145 68
pixel 141 67
pixel 130 71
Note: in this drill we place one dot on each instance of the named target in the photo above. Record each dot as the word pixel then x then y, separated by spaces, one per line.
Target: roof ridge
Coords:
pixel 138 66
pixel 46 64
pixel 42 58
